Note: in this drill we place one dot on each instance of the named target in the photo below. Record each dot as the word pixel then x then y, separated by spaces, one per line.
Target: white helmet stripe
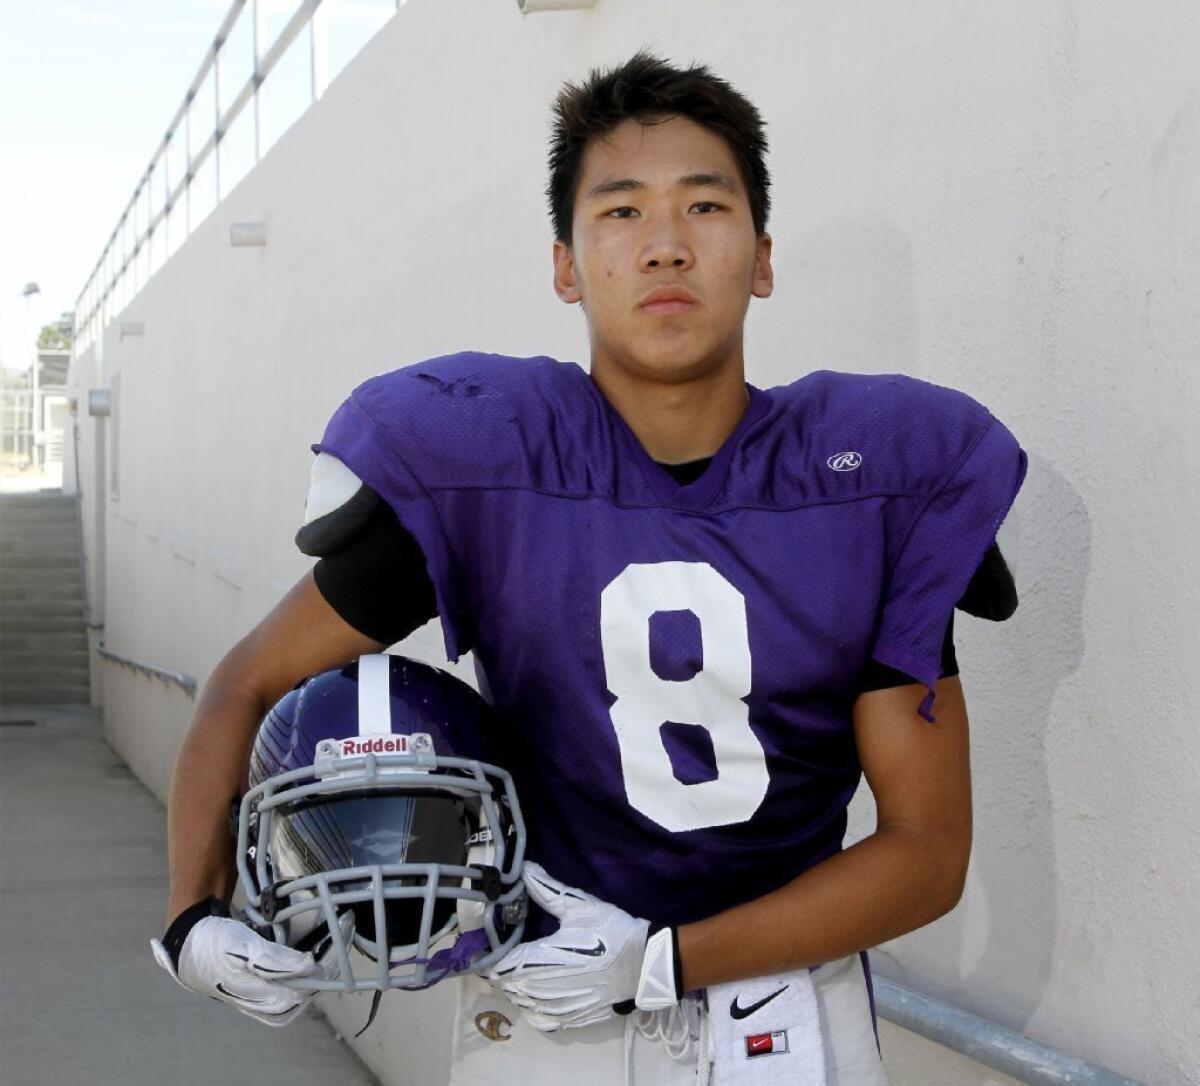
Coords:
pixel 374 695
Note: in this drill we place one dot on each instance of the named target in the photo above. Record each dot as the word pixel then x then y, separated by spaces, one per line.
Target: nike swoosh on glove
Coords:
pixel 227 960
pixel 572 977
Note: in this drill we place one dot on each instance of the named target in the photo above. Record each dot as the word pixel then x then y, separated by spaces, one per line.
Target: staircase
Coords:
pixel 43 636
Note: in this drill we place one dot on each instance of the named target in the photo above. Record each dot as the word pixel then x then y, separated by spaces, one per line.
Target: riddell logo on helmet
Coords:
pixel 374 744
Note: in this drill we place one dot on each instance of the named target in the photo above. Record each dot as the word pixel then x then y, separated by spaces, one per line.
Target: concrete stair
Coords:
pixel 43 635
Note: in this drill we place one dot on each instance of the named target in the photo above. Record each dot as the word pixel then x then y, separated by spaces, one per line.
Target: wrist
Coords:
pixel 660 983
pixel 179 928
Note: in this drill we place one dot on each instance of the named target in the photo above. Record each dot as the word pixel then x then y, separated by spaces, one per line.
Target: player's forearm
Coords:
pixel 890 883
pixel 208 775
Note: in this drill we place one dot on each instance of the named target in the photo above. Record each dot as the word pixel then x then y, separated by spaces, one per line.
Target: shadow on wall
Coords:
pixel 1003 934
pixel 1017 862
pixel 853 285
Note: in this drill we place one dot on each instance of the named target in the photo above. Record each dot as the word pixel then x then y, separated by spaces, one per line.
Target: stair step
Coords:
pixel 45 641
pixel 35 576
pixel 45 558
pixel 27 595
pixel 17 535
pixel 25 617
pixel 26 514
pixel 42 676
pixel 44 695
pixel 44 628
pixel 66 657
pixel 57 627
pixel 32 579
pixel 56 605
pixel 53 555
pixel 10 510
pixel 19 523
pixel 14 529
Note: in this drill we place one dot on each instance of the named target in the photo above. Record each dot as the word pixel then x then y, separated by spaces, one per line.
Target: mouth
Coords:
pixel 673 306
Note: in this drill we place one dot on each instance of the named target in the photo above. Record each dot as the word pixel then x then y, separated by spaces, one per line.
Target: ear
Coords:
pixel 566 285
pixel 764 274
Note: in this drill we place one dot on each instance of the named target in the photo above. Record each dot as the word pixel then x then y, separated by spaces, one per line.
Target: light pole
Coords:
pixel 36 421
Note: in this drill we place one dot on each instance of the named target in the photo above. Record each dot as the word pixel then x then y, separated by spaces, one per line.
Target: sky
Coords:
pixel 87 89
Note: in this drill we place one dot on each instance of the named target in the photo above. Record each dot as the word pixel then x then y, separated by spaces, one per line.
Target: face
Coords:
pixel 663 205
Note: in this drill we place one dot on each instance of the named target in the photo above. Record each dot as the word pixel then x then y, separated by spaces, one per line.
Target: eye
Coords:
pixel 701 203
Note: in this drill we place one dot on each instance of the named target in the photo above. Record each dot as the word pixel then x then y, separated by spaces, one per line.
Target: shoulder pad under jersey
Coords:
pixel 908 433
pixel 472 419
pixel 338 508
pixel 992 593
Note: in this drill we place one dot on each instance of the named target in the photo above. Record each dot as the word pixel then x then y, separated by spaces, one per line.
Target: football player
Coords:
pixel 709 608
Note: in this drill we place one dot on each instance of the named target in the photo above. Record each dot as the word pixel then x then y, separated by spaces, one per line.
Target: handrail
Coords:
pixel 97 290
pixel 83 582
pixel 186 681
pixel 986 1042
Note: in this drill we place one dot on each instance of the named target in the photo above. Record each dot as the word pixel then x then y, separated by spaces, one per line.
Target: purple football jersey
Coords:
pixel 680 662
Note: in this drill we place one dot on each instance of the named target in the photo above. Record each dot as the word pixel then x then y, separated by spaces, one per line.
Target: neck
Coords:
pixel 676 423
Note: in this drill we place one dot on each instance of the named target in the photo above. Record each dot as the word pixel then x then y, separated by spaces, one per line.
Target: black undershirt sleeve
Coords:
pixel 378 584
pixel 877 676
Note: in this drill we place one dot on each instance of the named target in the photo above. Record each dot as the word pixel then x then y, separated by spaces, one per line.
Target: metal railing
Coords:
pixel 179 679
pixel 995 1046
pixel 114 279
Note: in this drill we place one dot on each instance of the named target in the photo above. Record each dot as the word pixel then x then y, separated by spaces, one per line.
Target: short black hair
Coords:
pixel 645 88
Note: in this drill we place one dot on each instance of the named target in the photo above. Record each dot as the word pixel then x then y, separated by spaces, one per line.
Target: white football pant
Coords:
pixel 615 1052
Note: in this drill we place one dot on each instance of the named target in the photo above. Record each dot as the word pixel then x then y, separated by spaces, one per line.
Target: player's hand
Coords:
pixel 594 960
pixel 227 960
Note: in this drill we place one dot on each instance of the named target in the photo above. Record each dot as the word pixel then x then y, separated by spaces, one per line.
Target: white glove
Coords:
pixel 229 961
pixel 595 959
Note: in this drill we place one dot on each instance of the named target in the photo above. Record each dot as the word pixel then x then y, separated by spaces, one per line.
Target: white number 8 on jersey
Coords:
pixel 711 698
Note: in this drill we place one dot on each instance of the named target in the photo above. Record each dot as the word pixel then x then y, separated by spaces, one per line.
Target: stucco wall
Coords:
pixel 998 197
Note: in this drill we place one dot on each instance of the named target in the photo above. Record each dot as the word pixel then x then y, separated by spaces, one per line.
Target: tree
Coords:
pixel 57 335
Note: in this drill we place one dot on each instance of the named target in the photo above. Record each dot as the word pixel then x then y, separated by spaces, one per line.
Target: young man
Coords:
pixel 710 608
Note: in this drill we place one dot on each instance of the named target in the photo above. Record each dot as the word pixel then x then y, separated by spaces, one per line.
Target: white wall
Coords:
pixel 998 197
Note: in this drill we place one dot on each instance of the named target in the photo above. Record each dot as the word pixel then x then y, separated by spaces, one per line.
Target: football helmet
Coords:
pixel 377 818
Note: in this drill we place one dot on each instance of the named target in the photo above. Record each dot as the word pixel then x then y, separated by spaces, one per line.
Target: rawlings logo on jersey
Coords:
pixel 845 461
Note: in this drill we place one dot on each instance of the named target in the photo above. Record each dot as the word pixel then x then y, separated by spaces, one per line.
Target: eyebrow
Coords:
pixel 691 180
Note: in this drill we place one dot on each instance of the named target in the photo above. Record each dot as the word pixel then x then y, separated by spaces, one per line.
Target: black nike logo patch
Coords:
pixel 736 1011
pixel 591 952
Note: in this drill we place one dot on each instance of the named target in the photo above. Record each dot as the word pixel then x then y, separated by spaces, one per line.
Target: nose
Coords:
pixel 666 245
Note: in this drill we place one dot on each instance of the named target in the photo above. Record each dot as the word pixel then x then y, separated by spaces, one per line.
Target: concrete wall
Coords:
pixel 998 197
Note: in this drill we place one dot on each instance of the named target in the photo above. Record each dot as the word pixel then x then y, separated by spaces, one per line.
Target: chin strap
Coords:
pixel 375 998
pixel 468 948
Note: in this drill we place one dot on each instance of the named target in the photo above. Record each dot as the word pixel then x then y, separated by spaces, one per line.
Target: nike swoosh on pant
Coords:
pixel 743 1012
